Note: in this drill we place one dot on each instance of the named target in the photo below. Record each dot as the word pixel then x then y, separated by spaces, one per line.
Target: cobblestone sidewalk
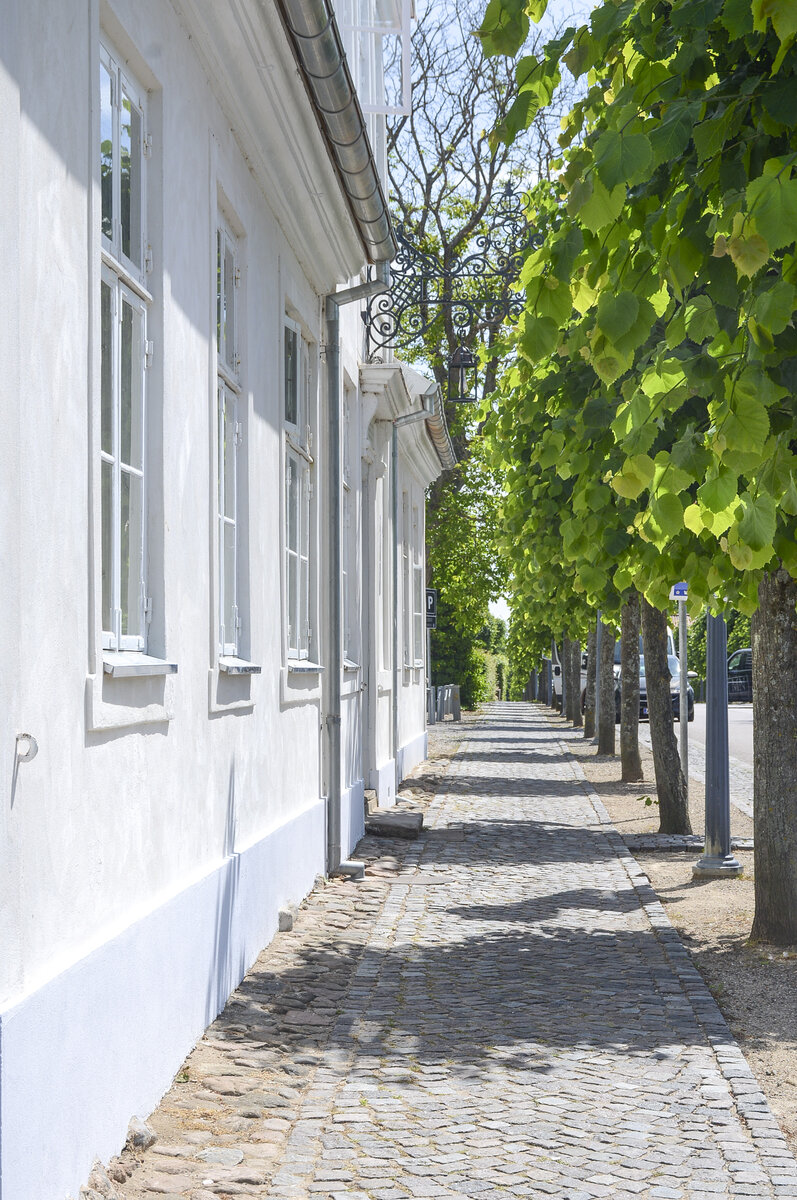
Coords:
pixel 500 1009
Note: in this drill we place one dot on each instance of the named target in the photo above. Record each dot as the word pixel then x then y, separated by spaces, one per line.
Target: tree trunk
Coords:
pixel 575 676
pixel 629 691
pixel 568 667
pixel 589 704
pixel 606 685
pixel 670 783
pixel 774 639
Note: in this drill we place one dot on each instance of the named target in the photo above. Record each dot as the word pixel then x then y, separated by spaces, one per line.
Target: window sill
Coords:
pixel 229 665
pixel 301 666
pixel 123 664
pixel 348 665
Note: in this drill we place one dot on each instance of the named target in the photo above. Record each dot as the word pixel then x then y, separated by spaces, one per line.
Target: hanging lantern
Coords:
pixel 461 361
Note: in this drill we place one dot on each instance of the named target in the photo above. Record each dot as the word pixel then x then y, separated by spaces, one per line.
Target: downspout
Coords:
pixel 408 419
pixel 333 303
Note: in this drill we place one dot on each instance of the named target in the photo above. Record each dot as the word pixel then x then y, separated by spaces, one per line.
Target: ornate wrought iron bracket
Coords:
pixel 473 293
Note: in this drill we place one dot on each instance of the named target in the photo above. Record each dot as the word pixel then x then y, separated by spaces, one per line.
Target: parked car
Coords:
pixel 740 676
pixel 675 683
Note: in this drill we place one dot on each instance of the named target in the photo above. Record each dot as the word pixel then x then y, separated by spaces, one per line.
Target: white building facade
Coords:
pixel 212 619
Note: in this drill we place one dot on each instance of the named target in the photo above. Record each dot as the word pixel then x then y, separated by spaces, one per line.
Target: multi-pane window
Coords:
pixel 298 488
pixel 124 357
pixel 347 532
pixel 124 145
pixel 417 587
pixel 406 581
pixel 230 438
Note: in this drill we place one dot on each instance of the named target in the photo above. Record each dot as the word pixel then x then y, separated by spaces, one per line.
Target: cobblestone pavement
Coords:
pixel 499 1009
pixel 740 774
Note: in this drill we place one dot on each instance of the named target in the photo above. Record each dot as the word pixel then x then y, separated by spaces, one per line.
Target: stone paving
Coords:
pixel 500 1008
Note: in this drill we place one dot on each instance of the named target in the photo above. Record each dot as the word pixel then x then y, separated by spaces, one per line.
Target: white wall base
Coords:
pixel 103 1039
pixel 352 816
pixel 383 782
pixel 412 753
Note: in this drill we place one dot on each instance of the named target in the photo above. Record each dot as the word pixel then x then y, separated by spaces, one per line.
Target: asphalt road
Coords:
pixel 740 730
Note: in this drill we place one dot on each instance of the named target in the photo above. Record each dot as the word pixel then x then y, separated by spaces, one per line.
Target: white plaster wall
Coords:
pixel 115 845
pixel 104 822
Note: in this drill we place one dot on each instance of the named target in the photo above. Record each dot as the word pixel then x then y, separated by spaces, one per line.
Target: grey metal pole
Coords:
pixel 716 859
pixel 684 699
pixel 562 656
pixel 596 668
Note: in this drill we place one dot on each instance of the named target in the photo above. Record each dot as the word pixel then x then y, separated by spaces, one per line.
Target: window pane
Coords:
pixel 106 370
pixel 131 443
pixel 130 173
pixel 228 614
pixel 106 149
pixel 229 307
pixel 304 616
pixel 229 456
pixel 293 566
pixel 106 489
pixel 131 552
pixel 293 505
pixel 291 368
pixel 219 296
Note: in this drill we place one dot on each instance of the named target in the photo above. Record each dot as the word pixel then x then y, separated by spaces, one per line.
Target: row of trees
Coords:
pixel 644 416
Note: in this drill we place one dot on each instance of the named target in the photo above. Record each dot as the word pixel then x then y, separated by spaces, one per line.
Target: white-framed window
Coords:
pixel 299 482
pixel 229 437
pixel 418 607
pixel 406 581
pixel 125 354
pixel 124 147
pixel 347 557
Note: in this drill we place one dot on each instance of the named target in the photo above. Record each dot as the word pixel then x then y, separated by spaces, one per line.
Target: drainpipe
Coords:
pixel 425 412
pixel 333 303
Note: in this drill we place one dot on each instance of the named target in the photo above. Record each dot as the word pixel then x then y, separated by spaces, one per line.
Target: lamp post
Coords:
pixel 716 859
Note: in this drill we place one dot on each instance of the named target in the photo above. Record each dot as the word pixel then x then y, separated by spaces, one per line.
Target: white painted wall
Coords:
pixel 146 850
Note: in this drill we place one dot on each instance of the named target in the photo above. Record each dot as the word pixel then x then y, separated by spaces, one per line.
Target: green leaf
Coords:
pixel 774 309
pixel 636 474
pixel 668 514
pixel 749 253
pixel 549 298
pixel 623 158
pixel 616 314
pixel 701 319
pixel 737 17
pixel 505 27
pixel 539 338
pixel 669 477
pixel 782 14
pixel 757 526
pixel 772 199
pixel 746 426
pixel 600 207
pixel 717 493
pixel 673 133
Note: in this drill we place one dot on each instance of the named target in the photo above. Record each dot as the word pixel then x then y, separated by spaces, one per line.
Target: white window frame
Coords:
pixel 124 278
pixel 298 460
pixel 124 85
pixel 418 605
pixel 114 638
pixel 406 580
pixel 347 515
pixel 228 422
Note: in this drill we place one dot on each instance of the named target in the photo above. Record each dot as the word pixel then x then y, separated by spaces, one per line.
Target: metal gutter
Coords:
pixel 438 428
pixel 318 50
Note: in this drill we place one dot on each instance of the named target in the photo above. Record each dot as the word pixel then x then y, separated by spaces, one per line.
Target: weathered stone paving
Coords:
pixel 500 1009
